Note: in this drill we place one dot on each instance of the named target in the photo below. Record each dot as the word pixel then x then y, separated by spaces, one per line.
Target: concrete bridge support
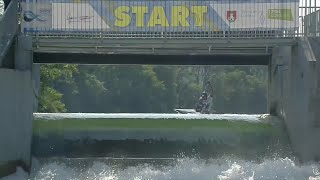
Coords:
pixel 292 96
pixel 17 104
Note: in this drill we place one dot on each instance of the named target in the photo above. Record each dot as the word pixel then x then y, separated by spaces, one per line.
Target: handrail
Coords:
pixel 310 27
pixel 312 24
pixel 8 27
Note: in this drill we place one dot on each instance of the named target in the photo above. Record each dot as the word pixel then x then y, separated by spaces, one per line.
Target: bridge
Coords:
pixel 281 34
pixel 121 28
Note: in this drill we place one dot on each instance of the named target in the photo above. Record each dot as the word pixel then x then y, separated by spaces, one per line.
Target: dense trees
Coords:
pixel 144 88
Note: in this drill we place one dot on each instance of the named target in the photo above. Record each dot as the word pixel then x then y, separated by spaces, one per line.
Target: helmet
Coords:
pixel 205 94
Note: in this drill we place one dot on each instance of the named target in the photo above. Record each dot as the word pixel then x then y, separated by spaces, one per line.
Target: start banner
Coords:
pixel 159 16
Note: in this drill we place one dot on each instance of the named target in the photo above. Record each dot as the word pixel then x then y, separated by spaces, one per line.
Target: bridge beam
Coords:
pixel 157 46
pixel 252 59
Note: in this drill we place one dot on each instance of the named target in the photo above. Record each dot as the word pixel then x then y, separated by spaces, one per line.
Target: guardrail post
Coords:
pixel 318 23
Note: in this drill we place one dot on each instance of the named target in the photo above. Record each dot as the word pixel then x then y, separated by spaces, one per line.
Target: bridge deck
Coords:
pixel 165 46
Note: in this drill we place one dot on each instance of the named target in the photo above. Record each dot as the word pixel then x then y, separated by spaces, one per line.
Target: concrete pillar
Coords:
pixel 292 83
pixel 23 53
pixel 298 106
pixel 298 117
pixel 17 104
pixel 16 117
pixel 24 61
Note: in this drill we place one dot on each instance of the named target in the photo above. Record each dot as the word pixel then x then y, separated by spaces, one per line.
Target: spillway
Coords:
pixel 75 135
pixel 162 146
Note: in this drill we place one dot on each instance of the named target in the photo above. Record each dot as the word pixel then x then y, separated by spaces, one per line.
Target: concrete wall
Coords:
pixel 292 85
pixel 315 44
pixel 19 86
pixel 16 108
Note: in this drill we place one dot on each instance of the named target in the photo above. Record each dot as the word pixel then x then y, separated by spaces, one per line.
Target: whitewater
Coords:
pixel 229 167
pixel 184 168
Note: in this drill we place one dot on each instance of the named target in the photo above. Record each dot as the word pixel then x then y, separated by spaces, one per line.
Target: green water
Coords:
pixel 156 135
pixel 104 124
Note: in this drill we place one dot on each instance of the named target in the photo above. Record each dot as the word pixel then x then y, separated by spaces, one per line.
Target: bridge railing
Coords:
pixel 312 24
pixel 163 18
pixel 8 27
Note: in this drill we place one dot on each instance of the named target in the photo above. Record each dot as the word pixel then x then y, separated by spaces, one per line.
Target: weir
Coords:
pixel 145 135
pixel 289 50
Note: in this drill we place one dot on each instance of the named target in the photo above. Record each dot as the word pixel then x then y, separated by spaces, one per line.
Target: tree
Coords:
pixel 145 88
pixel 50 99
pixel 240 90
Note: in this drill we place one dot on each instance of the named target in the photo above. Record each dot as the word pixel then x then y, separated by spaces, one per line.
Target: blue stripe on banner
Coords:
pixel 33 30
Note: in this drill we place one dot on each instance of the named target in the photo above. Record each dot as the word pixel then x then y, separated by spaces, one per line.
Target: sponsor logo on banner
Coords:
pixel 72 19
pixel 76 16
pixel 231 16
pixel 30 16
pixel 36 16
pixel 262 18
pixel 280 14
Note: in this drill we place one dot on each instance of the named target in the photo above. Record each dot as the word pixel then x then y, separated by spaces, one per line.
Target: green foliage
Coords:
pixel 188 88
pixel 145 88
pixel 50 98
pixel 239 91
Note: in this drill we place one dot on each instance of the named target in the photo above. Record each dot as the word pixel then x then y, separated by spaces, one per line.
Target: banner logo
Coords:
pixel 280 14
pixel 76 16
pixel 231 16
pixel 71 19
pixel 29 16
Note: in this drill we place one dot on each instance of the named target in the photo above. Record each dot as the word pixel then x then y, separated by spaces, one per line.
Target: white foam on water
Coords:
pixel 1 7
pixel 85 116
pixel 185 169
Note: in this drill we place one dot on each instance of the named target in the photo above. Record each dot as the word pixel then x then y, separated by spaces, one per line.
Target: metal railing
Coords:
pixel 166 19
pixel 312 24
pixel 162 19
pixel 8 27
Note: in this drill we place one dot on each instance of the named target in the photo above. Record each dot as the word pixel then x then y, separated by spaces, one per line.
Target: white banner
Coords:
pixel 159 16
